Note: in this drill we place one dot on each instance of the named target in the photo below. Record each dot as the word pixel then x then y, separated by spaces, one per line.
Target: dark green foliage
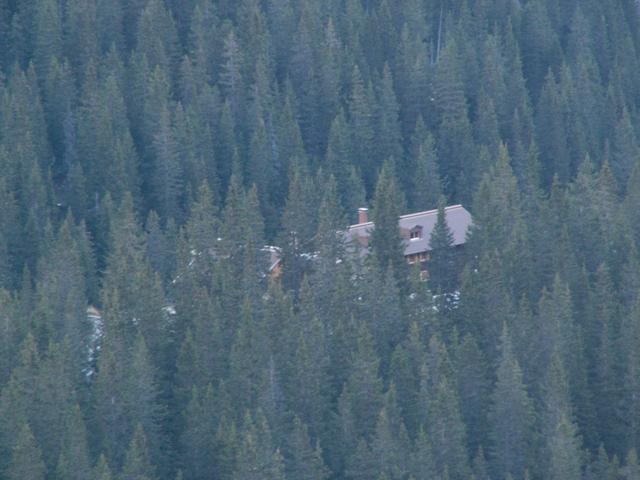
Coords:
pixel 442 264
pixel 446 427
pixel 101 470
pixel 26 461
pixel 73 462
pixel 361 397
pixel 386 243
pixel 151 150
pixel 426 182
pixel 566 456
pixel 472 374
pixel 306 461
pixel 137 465
pixel 511 415
pixel 199 434
pixel 257 457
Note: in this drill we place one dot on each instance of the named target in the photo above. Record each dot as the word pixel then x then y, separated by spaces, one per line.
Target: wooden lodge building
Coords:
pixel 415 229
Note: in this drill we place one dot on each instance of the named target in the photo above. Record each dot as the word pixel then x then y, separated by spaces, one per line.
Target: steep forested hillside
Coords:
pixel 151 149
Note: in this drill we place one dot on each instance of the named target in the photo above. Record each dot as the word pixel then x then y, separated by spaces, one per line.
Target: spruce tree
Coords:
pixel 389 137
pixel 197 441
pixel 167 175
pixel 446 427
pixel 362 127
pixel 511 415
pixel 386 243
pixel 426 182
pixel 443 262
pixel 422 463
pixel 306 460
pixel 632 469
pixel 472 373
pixel 101 470
pixel 138 465
pixel 361 397
pixel 26 461
pixel 565 452
pixel 74 461
pixel 257 457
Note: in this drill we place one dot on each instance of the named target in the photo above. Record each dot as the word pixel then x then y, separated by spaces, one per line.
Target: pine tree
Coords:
pixel 311 381
pixel 404 372
pixel 446 428
pixel 257 458
pixel 511 415
pixel 473 383
pixel 455 143
pixel 422 464
pixel 48 36
pixel 306 460
pixel 26 461
pixel 351 189
pixel 361 464
pixel 552 135
pixel 497 206
pixel 426 182
pixel 167 175
pixel 81 33
pixel 299 229
pixel 231 77
pixel 362 127
pixel 330 245
pixel 388 135
pixel 480 467
pixel 53 401
pixel 629 335
pixel 11 336
pixel 101 470
pixel 539 44
pixel 632 470
pixel 59 89
pixel 130 282
pixel 10 235
pixel 17 399
pixel 605 373
pixel 198 438
pixel 391 444
pixel 386 243
pixel 138 465
pixel 61 294
pixel 143 399
pixel 383 311
pixel 443 263
pixel 565 452
pixel 74 457
pixel 484 303
pixel 625 148
pixel 486 125
pixel 248 359
pixel 361 397
pixel 156 36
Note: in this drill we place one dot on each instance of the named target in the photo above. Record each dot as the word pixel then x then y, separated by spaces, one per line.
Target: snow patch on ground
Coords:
pixel 96 325
pixel 446 301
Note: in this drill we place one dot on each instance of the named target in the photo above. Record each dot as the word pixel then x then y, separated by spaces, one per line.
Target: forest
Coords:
pixel 152 150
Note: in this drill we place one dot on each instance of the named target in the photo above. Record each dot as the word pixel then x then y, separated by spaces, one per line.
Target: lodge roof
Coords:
pixel 458 220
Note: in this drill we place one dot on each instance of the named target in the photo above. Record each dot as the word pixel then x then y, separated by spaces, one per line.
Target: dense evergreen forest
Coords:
pixel 151 149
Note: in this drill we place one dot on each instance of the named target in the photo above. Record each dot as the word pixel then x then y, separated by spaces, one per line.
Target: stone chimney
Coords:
pixel 363 215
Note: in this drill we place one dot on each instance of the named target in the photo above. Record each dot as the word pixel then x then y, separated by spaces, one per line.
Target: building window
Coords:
pixel 415 233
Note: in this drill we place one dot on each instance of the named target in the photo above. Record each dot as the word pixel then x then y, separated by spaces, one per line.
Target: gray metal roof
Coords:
pixel 458 219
